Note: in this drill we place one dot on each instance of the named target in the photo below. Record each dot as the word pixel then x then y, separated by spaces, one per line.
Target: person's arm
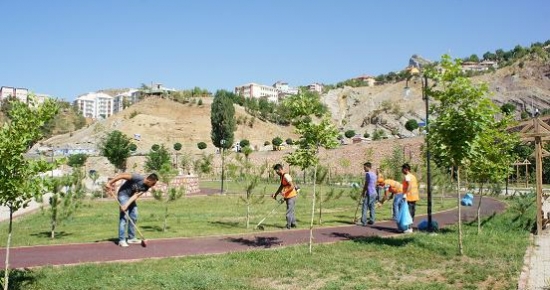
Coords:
pixel 274 196
pixel 110 186
pixel 133 198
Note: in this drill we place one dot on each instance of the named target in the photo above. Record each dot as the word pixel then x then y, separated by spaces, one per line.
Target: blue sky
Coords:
pixel 67 48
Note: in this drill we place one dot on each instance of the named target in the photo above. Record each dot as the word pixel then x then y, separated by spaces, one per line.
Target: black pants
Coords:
pixel 412 208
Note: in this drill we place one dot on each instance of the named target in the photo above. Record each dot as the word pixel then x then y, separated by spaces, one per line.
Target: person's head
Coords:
pixel 151 180
pixel 367 166
pixel 278 168
pixel 405 168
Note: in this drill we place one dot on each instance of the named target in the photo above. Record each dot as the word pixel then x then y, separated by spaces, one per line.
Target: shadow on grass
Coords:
pixel 263 242
pixel 389 241
pixel 58 235
pixel 483 221
pixel 112 240
pixel 19 279
pixel 225 224
pixel 152 228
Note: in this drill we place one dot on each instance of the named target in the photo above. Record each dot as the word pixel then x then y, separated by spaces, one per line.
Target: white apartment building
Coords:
pixel 284 89
pixel 20 93
pixel 253 90
pixel 316 87
pixel 127 98
pixel 95 105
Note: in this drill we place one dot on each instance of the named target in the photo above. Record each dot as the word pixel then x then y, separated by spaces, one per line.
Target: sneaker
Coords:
pixel 293 226
pixel 123 244
pixel 408 231
pixel 134 241
pixel 370 222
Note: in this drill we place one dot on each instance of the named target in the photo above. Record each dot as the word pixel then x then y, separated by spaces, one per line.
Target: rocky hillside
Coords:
pixel 525 83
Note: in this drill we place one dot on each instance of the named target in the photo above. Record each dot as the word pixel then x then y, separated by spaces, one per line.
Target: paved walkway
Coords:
pixel 69 254
pixel 536 270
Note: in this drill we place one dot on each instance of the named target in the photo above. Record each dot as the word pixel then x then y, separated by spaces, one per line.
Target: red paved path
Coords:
pixel 25 257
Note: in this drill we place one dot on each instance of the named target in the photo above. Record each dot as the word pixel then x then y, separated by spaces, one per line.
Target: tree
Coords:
pixel 177 147
pixel 277 141
pixel 473 58
pixel 491 162
pixel 222 119
pixel 155 147
pixel 244 143
pixel 156 159
pixel 313 136
pixel 411 125
pixel 116 147
pixel 463 112
pixel 349 133
pixel 67 193
pixel 19 176
pixel 77 160
pixel 508 108
pixel 166 174
pixel 201 145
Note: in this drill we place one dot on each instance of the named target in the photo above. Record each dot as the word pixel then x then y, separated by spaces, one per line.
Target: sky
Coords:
pixel 69 48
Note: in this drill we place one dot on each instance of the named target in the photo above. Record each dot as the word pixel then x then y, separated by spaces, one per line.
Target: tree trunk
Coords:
pixel 6 270
pixel 312 210
pixel 165 217
pixel 479 209
pixel 460 249
pixel 320 205
pixel 52 234
pixel 247 213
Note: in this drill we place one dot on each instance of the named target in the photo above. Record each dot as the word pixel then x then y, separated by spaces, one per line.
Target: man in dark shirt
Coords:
pixel 133 187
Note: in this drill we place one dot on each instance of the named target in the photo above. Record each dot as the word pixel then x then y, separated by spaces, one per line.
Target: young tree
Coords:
pixel 177 147
pixel 166 174
pixel 19 176
pixel 491 162
pixel 463 112
pixel 156 159
pixel 313 136
pixel 116 147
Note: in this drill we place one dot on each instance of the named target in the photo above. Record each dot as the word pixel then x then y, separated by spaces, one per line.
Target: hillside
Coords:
pixel 162 121
pixel 525 83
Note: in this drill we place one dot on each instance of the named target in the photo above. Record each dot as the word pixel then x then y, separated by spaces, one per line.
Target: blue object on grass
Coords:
pixel 423 225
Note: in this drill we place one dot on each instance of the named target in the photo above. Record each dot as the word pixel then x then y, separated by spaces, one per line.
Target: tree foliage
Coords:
pixel 156 159
pixel 411 125
pixel 349 133
pixel 77 160
pixel 116 147
pixel 222 119
pixel 177 146
pixel 19 176
pixel 201 145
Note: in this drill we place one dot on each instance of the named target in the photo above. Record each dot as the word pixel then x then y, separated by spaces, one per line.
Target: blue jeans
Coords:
pixel 369 204
pixel 133 213
pixel 397 199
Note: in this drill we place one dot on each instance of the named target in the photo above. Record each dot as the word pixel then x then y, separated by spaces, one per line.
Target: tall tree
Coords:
pixel 19 176
pixel 463 112
pixel 116 147
pixel 222 119
pixel 313 136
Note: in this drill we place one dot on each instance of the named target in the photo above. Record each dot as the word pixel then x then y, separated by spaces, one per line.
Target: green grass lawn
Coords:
pixel 420 261
pixel 97 220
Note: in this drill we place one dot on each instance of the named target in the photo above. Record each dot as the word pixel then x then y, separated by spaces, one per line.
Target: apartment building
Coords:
pixel 20 93
pixel 253 90
pixel 122 100
pixel 284 89
pixel 95 105
pixel 316 87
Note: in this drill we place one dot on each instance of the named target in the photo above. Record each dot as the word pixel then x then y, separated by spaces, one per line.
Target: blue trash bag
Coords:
pixel 467 200
pixel 423 225
pixel 404 219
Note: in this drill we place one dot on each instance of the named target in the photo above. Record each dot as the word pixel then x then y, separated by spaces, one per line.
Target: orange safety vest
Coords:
pixel 394 186
pixel 288 190
pixel 410 189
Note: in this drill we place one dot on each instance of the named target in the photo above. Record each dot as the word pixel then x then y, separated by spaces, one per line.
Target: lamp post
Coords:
pixel 222 143
pixel 425 98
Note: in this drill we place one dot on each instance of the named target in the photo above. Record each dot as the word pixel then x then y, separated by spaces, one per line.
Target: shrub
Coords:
pixel 133 114
pixel 349 133
pixel 244 143
pixel 201 145
pixel 378 134
pixel 366 135
pixel 267 143
pixel 132 147
pixel 77 160
pixel 199 103
pixel 289 141
pixel 411 125
pixel 155 147
pixel 177 146
pixel 277 141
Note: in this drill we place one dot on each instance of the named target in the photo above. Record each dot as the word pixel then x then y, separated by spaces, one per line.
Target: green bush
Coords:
pixel 277 141
pixel 132 147
pixel 411 125
pixel 289 141
pixel 155 147
pixel 244 143
pixel 267 143
pixel 77 160
pixel 201 145
pixel 349 133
